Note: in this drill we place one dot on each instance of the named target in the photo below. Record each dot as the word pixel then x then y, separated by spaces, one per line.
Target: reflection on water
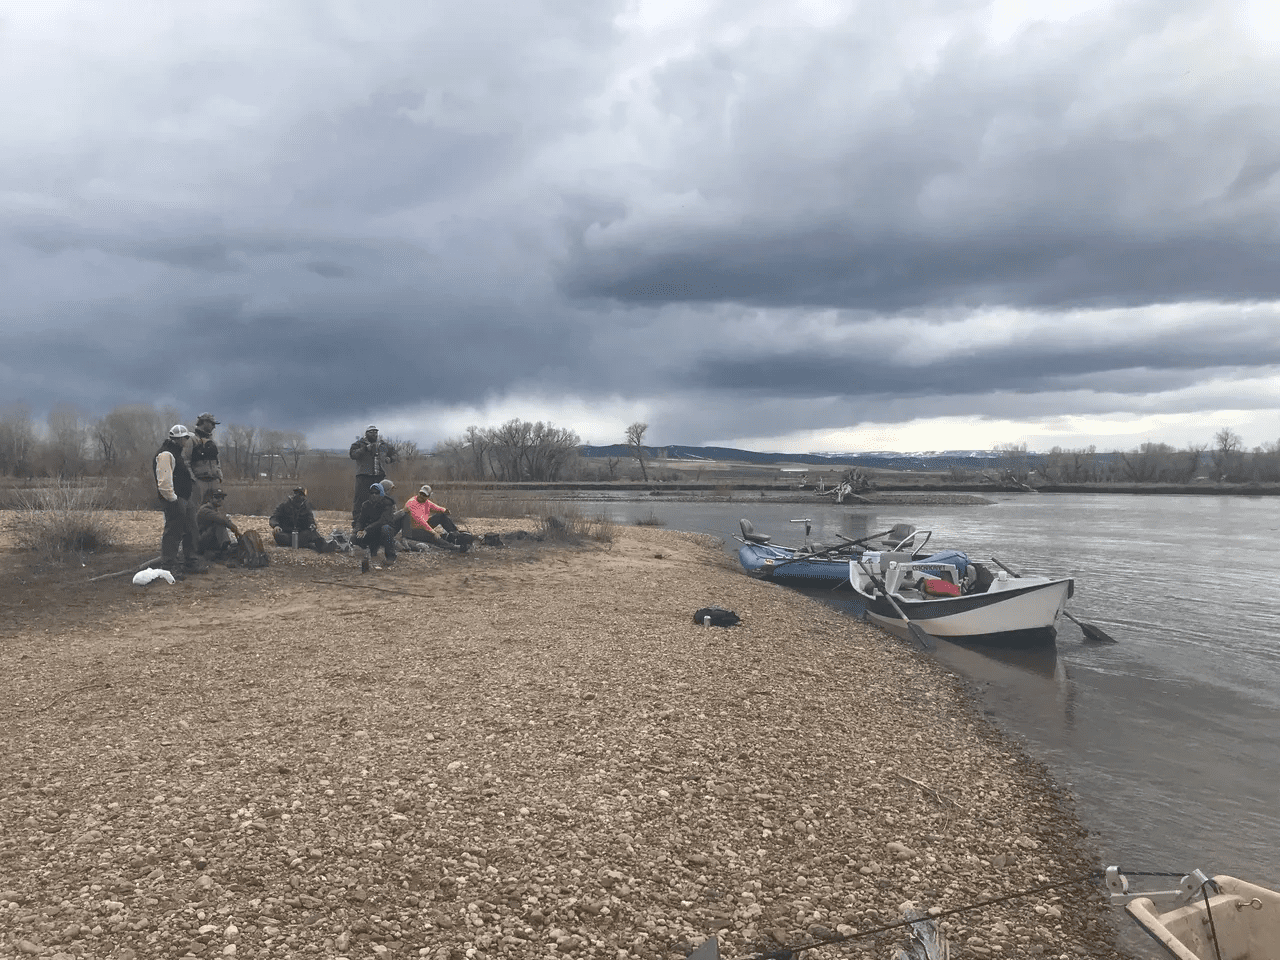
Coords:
pixel 1167 738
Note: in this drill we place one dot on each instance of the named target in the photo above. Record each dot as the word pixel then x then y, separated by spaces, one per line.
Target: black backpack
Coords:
pixel 718 617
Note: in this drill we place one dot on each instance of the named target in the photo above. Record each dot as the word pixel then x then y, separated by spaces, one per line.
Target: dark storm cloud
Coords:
pixel 1027 366
pixel 1104 160
pixel 306 213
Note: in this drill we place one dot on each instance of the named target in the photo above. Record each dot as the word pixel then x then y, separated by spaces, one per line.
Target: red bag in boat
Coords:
pixel 939 588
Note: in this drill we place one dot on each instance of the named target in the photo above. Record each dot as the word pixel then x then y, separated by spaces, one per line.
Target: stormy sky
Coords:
pixel 793 226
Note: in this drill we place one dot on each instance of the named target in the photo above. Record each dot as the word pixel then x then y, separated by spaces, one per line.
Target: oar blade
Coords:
pixel 1095 633
pixel 1091 631
pixel 923 639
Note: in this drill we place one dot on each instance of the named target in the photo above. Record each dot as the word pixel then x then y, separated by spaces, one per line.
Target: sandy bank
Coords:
pixel 529 751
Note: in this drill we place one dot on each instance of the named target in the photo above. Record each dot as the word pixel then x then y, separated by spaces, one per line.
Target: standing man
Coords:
pixel 205 467
pixel 174 484
pixel 371 455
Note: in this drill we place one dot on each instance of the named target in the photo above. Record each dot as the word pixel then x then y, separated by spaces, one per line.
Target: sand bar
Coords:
pixel 526 751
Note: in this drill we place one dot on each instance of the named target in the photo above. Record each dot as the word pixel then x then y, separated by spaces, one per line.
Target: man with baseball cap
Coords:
pixel 371 455
pixel 215 526
pixel 205 467
pixel 174 485
pixel 422 517
pixel 295 515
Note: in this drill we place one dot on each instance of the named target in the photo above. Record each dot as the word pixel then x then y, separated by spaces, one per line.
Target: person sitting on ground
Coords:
pixel 422 517
pixel 215 526
pixel 378 522
pixel 296 516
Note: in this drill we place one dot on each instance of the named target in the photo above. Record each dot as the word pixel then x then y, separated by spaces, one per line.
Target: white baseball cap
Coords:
pixel 178 431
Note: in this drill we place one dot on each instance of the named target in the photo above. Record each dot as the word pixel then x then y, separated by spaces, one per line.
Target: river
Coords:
pixel 1167 738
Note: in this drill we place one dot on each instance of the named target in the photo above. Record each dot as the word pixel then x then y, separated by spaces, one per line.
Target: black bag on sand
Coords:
pixel 719 617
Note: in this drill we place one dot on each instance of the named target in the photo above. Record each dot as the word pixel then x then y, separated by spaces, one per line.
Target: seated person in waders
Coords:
pixel 422 517
pixel 295 516
pixel 378 522
pixel 215 526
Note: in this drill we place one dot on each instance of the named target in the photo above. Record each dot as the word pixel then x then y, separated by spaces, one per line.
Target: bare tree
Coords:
pixel 68 440
pixel 272 445
pixel 1013 463
pixel 127 437
pixel 1150 463
pixel 635 441
pixel 295 448
pixel 1227 454
pixel 17 440
pixel 408 451
pixel 477 441
pixel 242 444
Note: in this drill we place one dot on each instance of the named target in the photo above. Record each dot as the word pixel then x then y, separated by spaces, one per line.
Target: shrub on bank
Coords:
pixel 571 526
pixel 650 519
pixel 66 518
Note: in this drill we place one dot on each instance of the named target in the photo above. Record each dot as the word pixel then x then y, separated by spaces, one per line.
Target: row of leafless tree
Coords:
pixel 123 441
pixel 516 450
pixel 1225 459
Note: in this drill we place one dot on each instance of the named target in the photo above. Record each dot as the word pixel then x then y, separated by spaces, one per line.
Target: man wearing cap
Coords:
pixel 378 523
pixel 205 467
pixel 422 517
pixel 215 526
pixel 296 516
pixel 174 484
pixel 371 455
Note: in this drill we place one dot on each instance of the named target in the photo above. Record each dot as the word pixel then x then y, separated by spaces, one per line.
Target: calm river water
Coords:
pixel 1168 739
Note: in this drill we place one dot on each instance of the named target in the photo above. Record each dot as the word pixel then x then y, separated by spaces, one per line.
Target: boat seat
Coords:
pixel 749 533
pixel 893 556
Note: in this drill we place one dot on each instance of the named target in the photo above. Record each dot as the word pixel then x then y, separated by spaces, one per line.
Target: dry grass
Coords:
pixel 63 519
pixel 650 519
pixel 572 526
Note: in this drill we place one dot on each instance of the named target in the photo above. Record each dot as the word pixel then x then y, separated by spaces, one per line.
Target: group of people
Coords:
pixel 197 527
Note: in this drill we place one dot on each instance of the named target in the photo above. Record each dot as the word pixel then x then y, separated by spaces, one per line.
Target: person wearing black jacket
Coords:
pixel 371 455
pixel 295 515
pixel 175 485
pixel 378 522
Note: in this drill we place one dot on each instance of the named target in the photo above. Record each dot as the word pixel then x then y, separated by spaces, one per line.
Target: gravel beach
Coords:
pixel 522 751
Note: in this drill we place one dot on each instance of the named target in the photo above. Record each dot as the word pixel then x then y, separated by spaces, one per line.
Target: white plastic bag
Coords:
pixel 143 577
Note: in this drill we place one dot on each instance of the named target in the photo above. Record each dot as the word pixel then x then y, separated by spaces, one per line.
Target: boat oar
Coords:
pixel 918 634
pixel 1091 631
pixel 810 556
pixel 850 542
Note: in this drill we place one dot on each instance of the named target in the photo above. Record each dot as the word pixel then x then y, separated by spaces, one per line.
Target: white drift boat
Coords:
pixel 951 596
pixel 1206 919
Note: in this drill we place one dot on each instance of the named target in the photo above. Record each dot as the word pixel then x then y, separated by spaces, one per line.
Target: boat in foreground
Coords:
pixel 951 596
pixel 1208 919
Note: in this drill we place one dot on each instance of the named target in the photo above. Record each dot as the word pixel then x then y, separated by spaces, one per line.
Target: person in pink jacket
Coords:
pixel 422 517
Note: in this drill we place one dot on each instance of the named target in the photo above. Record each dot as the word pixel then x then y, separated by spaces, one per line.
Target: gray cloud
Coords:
pixel 311 213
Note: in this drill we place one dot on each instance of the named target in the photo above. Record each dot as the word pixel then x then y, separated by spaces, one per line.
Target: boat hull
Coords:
pixel 1023 616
